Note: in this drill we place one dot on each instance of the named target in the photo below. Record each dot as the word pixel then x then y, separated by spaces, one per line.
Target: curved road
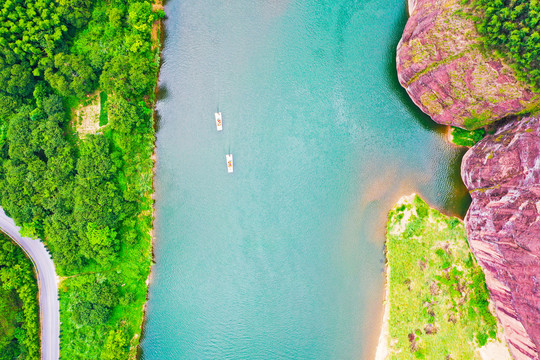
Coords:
pixel 49 306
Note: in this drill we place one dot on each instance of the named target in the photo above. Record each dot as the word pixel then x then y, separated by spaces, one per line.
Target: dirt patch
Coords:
pixel 85 117
pixel 155 33
pixel 156 26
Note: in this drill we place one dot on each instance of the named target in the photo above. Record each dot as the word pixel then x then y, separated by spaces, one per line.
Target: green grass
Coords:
pixel 437 294
pixel 468 138
pixel 103 117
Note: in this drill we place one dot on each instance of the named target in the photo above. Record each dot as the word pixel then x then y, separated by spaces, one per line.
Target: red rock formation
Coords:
pixel 502 172
pixel 442 67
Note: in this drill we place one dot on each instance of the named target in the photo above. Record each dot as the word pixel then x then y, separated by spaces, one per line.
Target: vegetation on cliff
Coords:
pixel 87 194
pixel 19 311
pixel 467 138
pixel 512 29
pixel 437 293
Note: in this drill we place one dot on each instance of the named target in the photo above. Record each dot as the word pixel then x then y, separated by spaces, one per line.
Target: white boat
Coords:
pixel 219 121
pixel 229 163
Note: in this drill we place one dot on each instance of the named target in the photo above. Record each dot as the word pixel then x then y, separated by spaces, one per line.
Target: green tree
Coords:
pixel 102 243
pixel 71 75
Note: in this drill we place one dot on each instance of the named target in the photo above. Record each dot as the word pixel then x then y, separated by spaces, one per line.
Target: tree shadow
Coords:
pixel 460 200
pixel 161 94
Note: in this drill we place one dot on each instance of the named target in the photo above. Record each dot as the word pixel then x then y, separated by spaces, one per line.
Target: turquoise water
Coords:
pixel 283 258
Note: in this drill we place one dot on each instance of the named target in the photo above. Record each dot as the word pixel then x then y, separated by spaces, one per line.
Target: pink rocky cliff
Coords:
pixel 502 173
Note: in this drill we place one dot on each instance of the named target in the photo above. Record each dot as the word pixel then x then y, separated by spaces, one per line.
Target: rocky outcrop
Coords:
pixel 502 173
pixel 441 65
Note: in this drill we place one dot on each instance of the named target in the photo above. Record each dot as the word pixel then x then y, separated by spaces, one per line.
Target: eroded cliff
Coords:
pixel 502 173
pixel 441 64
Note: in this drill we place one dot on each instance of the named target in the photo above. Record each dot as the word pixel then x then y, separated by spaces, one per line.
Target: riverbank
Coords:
pixel 103 305
pixel 157 45
pixel 464 138
pixel 436 299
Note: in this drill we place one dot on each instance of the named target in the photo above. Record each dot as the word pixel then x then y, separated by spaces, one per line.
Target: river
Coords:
pixel 282 259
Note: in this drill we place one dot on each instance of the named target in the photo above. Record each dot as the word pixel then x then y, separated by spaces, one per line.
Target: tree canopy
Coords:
pixel 511 28
pixel 19 310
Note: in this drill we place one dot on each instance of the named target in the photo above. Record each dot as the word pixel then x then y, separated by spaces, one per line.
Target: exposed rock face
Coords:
pixel 502 172
pixel 440 64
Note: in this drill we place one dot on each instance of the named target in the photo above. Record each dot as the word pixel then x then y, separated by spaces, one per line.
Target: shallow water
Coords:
pixel 283 258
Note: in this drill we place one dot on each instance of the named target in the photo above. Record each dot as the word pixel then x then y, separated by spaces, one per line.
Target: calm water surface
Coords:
pixel 282 259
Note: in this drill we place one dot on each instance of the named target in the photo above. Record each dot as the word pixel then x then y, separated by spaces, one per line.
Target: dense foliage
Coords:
pixel 512 28
pixel 439 303
pixel 86 195
pixel 19 312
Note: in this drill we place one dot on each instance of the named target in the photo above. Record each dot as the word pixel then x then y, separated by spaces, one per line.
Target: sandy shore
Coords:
pixel 410 6
pixel 382 346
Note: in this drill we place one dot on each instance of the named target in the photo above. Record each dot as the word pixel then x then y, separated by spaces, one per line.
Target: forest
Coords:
pixel 511 28
pixel 87 194
pixel 19 311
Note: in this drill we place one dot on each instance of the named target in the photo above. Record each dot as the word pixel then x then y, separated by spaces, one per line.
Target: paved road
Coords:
pixel 49 306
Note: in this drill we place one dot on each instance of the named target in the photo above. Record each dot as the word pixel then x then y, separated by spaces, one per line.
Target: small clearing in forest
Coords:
pixel 86 115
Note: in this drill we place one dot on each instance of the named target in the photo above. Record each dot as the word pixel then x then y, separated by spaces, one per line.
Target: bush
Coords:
pixel 462 137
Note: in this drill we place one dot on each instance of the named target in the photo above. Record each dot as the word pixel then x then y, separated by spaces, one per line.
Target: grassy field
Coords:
pixel 438 299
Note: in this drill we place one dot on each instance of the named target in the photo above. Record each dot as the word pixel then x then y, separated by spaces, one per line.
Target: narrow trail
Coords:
pixel 49 305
